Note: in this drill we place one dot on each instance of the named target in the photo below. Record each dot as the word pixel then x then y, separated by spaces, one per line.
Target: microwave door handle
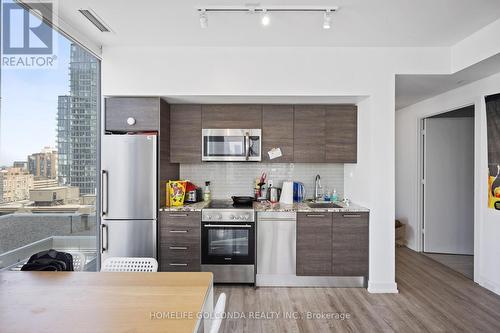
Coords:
pixel 247 145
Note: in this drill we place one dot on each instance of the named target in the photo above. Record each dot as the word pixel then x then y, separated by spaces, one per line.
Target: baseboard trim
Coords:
pixel 490 285
pixel 382 287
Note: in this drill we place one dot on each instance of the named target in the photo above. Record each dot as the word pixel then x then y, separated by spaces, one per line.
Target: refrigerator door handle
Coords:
pixel 104 238
pixel 104 192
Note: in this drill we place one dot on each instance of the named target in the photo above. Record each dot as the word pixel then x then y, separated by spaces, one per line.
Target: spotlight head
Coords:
pixel 327 19
pixel 203 19
pixel 265 19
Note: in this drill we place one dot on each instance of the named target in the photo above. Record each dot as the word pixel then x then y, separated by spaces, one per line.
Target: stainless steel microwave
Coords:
pixel 231 145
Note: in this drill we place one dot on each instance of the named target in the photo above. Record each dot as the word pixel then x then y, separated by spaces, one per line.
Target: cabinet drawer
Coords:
pixel 186 236
pixel 183 253
pixel 181 265
pixel 144 111
pixel 180 219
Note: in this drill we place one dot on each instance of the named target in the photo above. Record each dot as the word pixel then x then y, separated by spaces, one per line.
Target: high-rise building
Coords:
pixel 77 124
pixel 43 165
pixel 15 184
pixel 20 164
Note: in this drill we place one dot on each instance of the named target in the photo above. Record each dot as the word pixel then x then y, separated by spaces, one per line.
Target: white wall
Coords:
pixel 284 71
pixel 487 221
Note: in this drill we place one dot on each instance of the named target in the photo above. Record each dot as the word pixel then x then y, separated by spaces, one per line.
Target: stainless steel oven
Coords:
pixel 228 244
pixel 231 145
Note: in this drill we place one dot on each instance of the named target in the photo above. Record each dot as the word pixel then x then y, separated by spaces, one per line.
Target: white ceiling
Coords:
pixel 411 89
pixel 358 23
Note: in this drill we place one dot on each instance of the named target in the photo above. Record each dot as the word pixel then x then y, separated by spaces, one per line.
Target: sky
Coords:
pixel 29 105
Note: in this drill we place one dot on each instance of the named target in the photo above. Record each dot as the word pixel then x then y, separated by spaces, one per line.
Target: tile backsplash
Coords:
pixel 237 178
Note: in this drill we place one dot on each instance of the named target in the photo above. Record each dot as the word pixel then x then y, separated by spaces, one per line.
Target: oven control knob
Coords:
pixel 209 217
pixel 242 217
pixel 232 217
pixel 219 216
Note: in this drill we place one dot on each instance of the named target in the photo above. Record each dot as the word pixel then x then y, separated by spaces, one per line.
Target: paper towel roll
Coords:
pixel 287 193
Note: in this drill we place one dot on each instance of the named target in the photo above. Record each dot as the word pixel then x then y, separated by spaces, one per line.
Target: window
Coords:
pixel 48 156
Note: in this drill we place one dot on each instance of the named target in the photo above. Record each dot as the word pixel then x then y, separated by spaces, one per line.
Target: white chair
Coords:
pixel 218 313
pixel 129 264
pixel 79 261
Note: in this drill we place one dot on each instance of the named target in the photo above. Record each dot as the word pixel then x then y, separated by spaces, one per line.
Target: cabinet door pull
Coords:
pixel 178 264
pixel 178 247
pixel 352 215
pixel 178 215
pixel 178 231
pixel 315 215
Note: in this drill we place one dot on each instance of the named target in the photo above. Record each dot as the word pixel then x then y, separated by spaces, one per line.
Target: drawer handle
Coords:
pixel 178 264
pixel 178 247
pixel 352 215
pixel 315 215
pixel 178 231
pixel 178 215
pixel 131 121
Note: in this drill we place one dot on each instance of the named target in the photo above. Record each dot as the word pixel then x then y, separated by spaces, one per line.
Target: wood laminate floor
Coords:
pixel 432 298
pixel 461 263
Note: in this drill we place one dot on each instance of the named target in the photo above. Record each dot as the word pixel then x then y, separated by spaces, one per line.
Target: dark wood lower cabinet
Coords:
pixel 332 244
pixel 314 244
pixel 350 244
pixel 180 245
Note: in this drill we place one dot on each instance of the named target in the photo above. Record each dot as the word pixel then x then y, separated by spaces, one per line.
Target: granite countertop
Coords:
pixel 266 206
pixel 196 207
pixel 302 207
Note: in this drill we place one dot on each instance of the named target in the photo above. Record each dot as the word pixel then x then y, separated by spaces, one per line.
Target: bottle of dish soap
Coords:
pixel 206 192
pixel 335 196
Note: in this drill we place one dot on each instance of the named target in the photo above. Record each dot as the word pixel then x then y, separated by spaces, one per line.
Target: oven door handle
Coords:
pixel 227 226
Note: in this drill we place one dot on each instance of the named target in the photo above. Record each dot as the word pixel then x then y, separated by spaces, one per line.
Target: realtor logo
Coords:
pixel 26 40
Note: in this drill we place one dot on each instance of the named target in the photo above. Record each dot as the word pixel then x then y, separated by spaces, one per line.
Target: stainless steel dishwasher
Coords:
pixel 276 238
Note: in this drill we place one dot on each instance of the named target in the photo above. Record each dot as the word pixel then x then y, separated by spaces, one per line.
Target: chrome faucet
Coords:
pixel 317 188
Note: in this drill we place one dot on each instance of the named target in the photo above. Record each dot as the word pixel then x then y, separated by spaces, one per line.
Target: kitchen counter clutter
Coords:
pixel 266 206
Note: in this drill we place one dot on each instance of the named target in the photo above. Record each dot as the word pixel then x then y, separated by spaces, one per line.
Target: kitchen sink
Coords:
pixel 323 205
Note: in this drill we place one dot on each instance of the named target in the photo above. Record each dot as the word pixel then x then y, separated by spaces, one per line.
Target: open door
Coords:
pixel 449 185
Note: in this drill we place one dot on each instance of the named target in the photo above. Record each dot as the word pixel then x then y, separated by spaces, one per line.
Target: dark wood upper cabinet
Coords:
pixel 167 170
pixel 231 116
pixel 309 133
pixel 185 133
pixel 314 244
pixel 341 128
pixel 350 244
pixel 142 111
pixel 277 132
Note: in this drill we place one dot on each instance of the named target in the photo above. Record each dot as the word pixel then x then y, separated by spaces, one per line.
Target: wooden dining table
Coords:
pixel 105 302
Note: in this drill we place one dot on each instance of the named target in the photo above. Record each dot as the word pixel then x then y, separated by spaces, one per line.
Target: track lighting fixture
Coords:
pixel 265 17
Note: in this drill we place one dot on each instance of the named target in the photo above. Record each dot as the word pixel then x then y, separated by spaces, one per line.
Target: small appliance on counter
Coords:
pixel 193 194
pixel 274 194
pixel 299 192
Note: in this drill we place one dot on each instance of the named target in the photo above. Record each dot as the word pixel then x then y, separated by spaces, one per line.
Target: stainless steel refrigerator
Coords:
pixel 129 195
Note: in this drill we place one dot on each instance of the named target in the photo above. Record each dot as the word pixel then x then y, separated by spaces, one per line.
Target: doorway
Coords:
pixel 448 189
